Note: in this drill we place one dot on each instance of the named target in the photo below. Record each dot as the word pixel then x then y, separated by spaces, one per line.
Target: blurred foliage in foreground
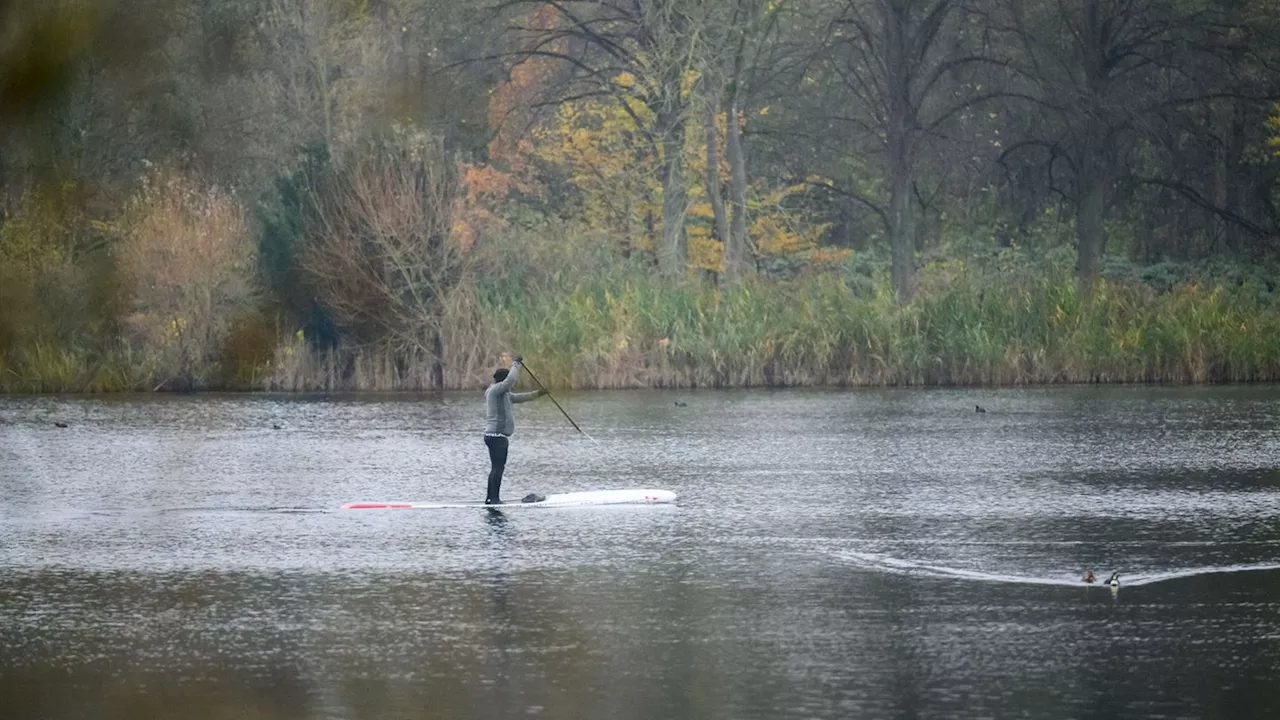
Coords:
pixel 325 194
pixel 593 320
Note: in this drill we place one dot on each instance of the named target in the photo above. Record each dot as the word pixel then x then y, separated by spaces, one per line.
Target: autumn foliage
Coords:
pixel 304 195
pixel 188 256
pixel 512 111
pixel 602 148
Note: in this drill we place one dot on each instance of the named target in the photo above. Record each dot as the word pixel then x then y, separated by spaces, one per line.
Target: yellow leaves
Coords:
pixel 1273 123
pixel 705 252
pixel 773 237
pixel 777 195
pixel 465 232
pixel 583 140
pixel 596 144
pixel 781 233
pixel 687 82
pixel 603 148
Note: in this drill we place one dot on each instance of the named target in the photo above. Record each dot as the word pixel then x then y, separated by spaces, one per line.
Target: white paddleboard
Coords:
pixel 573 499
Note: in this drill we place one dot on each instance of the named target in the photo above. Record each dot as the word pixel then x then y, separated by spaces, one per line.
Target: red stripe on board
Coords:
pixel 375 506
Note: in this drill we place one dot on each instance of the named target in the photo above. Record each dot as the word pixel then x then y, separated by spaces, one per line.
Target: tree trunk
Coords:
pixel 673 254
pixel 1236 147
pixel 902 231
pixel 713 165
pixel 1090 234
pixel 666 22
pixel 735 249
pixel 437 364
pixel 319 68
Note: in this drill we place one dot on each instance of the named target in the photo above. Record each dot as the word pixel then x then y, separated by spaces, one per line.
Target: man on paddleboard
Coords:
pixel 500 423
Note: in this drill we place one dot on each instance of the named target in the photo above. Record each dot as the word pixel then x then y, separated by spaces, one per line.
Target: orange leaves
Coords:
pixel 485 182
pixel 510 111
pixel 509 108
pixel 484 189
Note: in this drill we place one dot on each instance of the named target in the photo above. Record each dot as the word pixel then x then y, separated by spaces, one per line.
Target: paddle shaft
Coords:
pixel 557 402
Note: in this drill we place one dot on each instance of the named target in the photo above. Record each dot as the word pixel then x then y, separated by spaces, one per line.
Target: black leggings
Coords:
pixel 498 460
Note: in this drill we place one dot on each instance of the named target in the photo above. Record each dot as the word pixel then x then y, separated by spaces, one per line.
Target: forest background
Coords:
pixel 386 194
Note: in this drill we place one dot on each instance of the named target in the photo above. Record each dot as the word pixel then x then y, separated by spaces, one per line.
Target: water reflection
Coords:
pixel 882 554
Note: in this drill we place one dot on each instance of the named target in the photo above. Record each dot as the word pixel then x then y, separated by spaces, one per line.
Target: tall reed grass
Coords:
pixel 47 368
pixel 621 327
pixel 640 332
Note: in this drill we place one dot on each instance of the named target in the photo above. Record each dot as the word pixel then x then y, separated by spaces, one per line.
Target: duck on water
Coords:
pixel 1113 581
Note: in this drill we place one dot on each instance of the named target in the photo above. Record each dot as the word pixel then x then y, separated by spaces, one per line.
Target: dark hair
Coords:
pixel 500 374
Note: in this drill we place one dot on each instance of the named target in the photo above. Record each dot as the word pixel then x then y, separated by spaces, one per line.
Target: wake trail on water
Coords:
pixel 884 563
pixel 206 510
pixel 1193 572
pixel 249 509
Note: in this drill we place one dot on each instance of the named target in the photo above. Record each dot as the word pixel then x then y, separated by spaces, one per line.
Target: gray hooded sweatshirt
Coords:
pixel 500 419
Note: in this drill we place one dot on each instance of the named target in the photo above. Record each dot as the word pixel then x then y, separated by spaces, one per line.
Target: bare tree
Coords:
pixel 188 254
pixel 383 251
pixel 597 41
pixel 900 66
pixel 1099 74
pixel 728 30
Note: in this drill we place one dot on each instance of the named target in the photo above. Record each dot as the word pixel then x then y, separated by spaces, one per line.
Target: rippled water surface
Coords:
pixel 833 554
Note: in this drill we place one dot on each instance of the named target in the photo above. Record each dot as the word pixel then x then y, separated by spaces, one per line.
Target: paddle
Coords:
pixel 553 399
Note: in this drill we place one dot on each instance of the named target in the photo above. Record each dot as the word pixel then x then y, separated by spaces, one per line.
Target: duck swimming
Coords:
pixel 1088 576
pixel 1114 580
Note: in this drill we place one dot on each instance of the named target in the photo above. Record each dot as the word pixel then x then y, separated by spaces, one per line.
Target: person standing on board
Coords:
pixel 500 423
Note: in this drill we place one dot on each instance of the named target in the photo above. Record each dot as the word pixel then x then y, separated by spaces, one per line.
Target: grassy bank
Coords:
pixel 623 328
pixel 971 329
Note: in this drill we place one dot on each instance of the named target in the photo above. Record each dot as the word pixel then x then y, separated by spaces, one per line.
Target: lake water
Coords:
pixel 833 554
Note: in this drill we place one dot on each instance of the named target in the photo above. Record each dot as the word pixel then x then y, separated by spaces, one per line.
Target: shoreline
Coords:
pixel 410 393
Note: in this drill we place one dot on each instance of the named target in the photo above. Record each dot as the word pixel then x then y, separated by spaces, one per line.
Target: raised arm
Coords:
pixel 510 380
pixel 527 396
